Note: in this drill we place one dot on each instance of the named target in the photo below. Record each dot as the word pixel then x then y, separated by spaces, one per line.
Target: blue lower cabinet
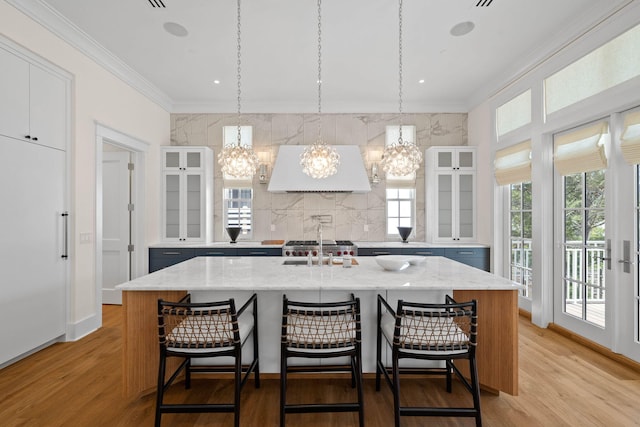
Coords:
pixel 216 252
pixel 379 251
pixel 160 258
pixel 259 251
pixel 475 257
pixel 423 251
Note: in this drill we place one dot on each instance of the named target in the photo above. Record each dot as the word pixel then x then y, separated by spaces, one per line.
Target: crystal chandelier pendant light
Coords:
pixel 320 160
pixel 238 161
pixel 401 158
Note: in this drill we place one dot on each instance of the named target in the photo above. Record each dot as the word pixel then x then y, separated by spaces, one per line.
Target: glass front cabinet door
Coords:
pixel 450 194
pixel 187 179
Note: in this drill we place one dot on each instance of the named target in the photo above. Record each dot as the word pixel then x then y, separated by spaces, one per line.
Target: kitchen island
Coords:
pixel 214 278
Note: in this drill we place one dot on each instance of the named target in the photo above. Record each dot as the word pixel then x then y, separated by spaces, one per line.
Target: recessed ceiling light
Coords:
pixel 217 82
pixel 175 29
pixel 462 28
pixel 421 81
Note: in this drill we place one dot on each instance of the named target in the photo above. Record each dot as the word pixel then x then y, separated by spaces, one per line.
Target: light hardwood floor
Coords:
pixel 79 384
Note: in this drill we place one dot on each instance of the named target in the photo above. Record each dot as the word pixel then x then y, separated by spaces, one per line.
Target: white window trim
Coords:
pixel 225 212
pixel 413 211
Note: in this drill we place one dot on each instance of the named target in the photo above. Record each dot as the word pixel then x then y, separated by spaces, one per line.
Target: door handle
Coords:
pixel 65 223
pixel 626 256
pixel 608 257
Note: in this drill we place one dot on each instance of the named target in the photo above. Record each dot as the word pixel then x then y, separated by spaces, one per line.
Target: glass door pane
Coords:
pixel 172 159
pixel 194 209
pixel 584 247
pixel 445 205
pixel 194 160
pixel 465 206
pixel 172 206
pixel 465 159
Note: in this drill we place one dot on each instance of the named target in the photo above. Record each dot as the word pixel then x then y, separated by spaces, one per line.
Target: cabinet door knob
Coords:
pixel 27 136
pixel 35 138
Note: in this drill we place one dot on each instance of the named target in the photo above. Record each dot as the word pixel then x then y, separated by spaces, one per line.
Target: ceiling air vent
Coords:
pixel 482 3
pixel 156 3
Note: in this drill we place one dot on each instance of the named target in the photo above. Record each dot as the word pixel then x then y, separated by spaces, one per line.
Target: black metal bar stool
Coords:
pixel 321 331
pixel 210 329
pixel 444 332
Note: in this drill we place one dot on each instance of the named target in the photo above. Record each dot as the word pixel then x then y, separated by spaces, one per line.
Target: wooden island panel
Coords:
pixel 139 339
pixel 497 350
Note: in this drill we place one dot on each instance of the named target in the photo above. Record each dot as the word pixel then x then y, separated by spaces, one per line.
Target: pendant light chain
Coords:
pixel 239 71
pixel 401 159
pixel 319 160
pixel 238 161
pixel 400 141
pixel 319 70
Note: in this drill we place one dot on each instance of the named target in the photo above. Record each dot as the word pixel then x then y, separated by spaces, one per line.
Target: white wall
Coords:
pixel 479 129
pixel 97 96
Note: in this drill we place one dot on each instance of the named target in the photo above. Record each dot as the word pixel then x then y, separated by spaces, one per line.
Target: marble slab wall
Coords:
pixel 357 217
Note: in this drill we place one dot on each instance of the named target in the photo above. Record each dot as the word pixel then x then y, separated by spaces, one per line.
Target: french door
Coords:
pixel 581 294
pixel 597 234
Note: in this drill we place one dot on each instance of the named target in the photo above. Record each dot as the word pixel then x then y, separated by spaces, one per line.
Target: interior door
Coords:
pixel 116 224
pixel 33 297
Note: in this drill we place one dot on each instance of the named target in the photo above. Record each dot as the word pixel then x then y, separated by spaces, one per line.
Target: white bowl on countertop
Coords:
pixel 393 262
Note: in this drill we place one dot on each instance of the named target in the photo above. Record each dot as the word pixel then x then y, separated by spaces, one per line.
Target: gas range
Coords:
pixel 304 247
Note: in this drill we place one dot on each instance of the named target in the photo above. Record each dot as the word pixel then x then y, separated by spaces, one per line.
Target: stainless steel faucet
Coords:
pixel 320 252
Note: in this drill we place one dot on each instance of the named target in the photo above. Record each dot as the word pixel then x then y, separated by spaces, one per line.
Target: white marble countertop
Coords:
pixel 269 273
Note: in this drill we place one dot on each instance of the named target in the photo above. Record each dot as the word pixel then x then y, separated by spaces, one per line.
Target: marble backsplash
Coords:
pixel 357 217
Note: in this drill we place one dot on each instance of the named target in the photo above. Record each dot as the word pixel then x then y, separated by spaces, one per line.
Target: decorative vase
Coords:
pixel 233 233
pixel 404 233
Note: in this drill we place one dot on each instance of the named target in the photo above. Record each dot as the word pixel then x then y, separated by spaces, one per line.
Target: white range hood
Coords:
pixel 287 175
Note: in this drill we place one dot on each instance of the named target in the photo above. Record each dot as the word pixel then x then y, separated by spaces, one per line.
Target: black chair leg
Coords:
pixel 378 347
pixel 353 372
pixel 160 390
pixel 187 375
pixel 283 388
pixel 475 390
pixel 360 391
pixel 256 371
pixel 236 397
pixel 396 390
pixel 448 364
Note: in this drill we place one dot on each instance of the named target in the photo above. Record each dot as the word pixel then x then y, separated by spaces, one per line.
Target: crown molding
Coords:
pixel 53 21
pixel 308 108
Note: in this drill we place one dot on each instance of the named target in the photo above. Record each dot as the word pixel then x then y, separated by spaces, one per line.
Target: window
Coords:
pixel 514 114
pixel 237 210
pixel 237 194
pixel 520 236
pixel 400 209
pixel 609 65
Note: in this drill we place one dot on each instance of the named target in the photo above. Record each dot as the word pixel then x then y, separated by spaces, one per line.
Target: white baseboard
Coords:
pixel 84 327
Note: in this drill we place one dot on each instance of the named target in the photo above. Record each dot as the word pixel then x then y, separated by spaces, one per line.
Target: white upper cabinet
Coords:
pixel 187 179
pixel 33 102
pixel 451 194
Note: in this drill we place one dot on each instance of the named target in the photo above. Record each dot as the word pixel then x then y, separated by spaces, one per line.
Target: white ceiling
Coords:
pixel 359 49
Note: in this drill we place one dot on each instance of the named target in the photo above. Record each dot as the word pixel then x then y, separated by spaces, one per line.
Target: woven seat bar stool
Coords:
pixel 321 331
pixel 210 329
pixel 445 332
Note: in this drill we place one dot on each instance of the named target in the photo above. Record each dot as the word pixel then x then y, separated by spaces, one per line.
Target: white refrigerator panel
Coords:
pixel 32 270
